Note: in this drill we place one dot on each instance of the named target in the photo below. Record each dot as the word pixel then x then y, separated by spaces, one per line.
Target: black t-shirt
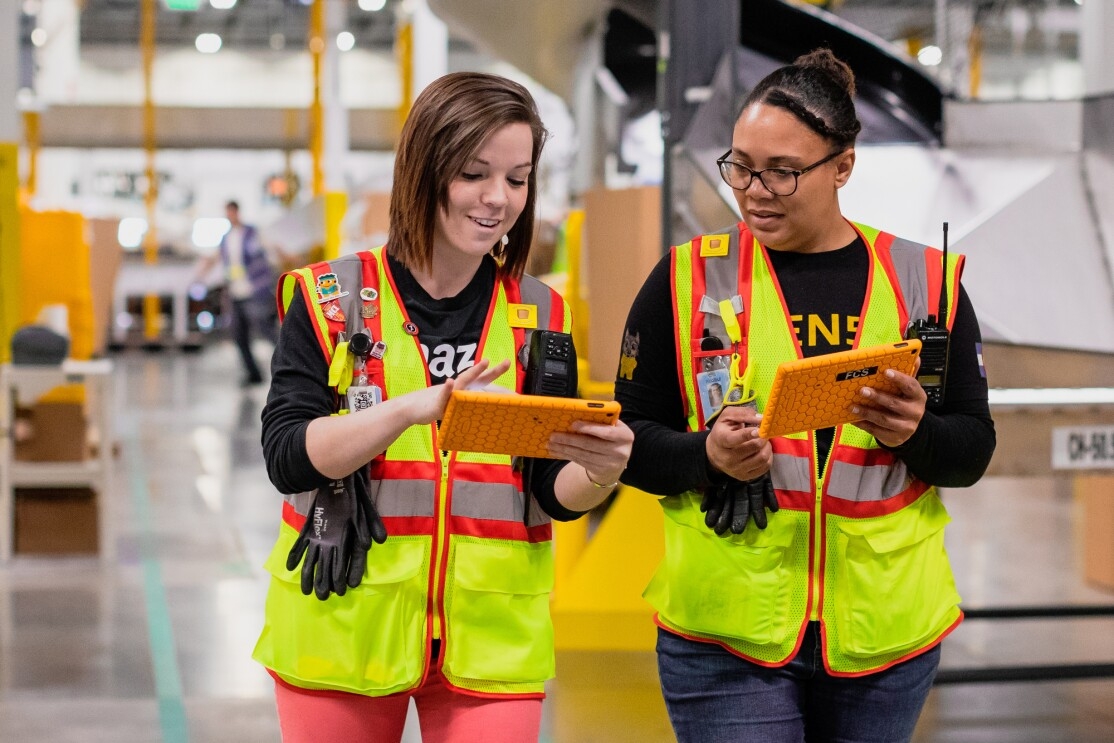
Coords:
pixel 449 331
pixel 824 293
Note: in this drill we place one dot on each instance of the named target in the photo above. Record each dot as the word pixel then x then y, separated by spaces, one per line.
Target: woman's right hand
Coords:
pixel 428 405
pixel 734 446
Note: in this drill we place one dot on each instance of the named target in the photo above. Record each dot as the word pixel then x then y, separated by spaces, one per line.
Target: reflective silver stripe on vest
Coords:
pixel 912 275
pixel 790 472
pixel 863 484
pixel 538 294
pixel 721 281
pixel 494 501
pixel 403 497
pixel 300 502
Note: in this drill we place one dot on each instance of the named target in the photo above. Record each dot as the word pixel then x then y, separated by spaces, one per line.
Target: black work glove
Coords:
pixel 728 506
pixel 368 528
pixel 339 529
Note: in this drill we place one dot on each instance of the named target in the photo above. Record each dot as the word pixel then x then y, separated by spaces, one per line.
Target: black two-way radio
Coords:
pixel 551 365
pixel 933 334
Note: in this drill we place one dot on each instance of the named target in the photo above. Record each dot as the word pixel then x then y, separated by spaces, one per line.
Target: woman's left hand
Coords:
pixel 602 450
pixel 892 419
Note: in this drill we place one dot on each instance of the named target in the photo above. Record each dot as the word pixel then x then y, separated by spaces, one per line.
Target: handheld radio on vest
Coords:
pixel 933 334
pixel 551 365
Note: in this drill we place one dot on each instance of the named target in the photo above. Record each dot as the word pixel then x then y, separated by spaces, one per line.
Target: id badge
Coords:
pixel 712 386
pixel 362 397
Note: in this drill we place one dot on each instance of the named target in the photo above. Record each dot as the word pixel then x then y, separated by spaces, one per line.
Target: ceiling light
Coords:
pixel 345 41
pixel 223 4
pixel 38 36
pixel 208 43
pixel 31 7
pixel 930 56
pixel 372 5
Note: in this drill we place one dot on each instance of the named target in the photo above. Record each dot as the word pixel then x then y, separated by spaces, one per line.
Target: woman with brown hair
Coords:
pixel 431 569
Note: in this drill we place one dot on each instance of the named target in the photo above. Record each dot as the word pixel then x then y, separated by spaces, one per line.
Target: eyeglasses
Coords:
pixel 778 181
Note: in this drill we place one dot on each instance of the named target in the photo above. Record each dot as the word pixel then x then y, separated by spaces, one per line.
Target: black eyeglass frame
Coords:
pixel 723 161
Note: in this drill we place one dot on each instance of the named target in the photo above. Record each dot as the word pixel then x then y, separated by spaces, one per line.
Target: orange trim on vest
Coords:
pixel 882 251
pixel 891 664
pixel 736 653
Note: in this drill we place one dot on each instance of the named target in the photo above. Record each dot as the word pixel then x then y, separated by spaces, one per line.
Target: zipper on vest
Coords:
pixel 440 541
pixel 817 527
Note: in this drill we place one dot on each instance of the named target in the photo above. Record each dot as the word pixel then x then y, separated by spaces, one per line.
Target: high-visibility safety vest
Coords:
pixel 465 561
pixel 858 546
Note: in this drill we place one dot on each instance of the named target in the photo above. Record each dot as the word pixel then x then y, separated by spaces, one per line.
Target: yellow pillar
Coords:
pixel 31 129
pixel 10 258
pixel 404 52
pixel 316 111
pixel 151 314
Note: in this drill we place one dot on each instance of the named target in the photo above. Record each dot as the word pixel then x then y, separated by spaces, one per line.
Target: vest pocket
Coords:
pixel 499 627
pixel 369 641
pixel 736 587
pixel 894 588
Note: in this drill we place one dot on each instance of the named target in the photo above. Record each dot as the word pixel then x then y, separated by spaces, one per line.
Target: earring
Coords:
pixel 505 240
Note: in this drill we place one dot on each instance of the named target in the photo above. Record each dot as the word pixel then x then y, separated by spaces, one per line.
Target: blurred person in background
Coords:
pixel 250 281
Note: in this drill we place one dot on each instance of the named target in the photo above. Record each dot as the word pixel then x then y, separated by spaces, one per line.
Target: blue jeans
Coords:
pixel 714 696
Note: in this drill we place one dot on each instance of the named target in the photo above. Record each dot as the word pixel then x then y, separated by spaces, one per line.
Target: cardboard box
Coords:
pixel 622 237
pixel 55 521
pixel 1097 494
pixel 105 256
pixel 56 433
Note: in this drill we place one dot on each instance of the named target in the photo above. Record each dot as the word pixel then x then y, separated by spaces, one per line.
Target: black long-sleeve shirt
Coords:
pixel 824 292
pixel 449 331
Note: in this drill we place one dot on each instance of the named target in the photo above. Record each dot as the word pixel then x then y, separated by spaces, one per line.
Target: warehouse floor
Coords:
pixel 156 644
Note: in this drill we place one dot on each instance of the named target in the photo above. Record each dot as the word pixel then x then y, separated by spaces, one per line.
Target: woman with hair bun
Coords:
pixel 805 589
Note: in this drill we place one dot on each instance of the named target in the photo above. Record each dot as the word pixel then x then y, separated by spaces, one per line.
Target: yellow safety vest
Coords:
pixel 461 564
pixel 858 546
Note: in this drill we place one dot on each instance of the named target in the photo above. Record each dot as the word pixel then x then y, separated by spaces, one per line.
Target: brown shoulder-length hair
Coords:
pixel 447 126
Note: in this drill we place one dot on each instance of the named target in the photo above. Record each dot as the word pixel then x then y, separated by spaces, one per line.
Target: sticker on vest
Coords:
pixel 328 288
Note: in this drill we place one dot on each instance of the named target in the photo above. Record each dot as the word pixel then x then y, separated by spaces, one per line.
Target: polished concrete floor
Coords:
pixel 155 645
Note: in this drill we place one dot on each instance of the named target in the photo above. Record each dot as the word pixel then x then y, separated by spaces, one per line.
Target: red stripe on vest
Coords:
pixel 934 275
pixel 291 517
pixel 497 474
pixel 863 457
pixel 795 500
pixel 404 470
pixel 495 529
pixel 792 447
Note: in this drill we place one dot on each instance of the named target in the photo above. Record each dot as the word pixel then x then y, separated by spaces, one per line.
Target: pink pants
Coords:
pixel 445 716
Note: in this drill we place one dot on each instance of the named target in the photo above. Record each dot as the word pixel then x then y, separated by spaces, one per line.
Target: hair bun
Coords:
pixel 837 69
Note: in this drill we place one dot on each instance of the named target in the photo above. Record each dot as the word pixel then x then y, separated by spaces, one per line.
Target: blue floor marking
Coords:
pixel 168 684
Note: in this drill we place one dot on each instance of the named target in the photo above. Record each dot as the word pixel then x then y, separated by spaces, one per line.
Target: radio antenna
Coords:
pixel 944 281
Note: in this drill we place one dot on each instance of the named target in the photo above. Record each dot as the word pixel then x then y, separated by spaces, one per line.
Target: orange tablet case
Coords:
pixel 519 425
pixel 819 392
